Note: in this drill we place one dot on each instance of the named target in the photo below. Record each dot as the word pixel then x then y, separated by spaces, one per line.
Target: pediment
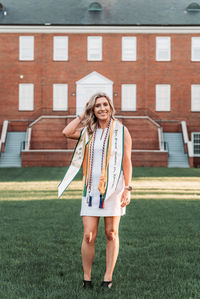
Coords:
pixel 94 78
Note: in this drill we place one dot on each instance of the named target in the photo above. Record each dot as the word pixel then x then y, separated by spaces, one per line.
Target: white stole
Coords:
pixel 115 161
pixel 76 162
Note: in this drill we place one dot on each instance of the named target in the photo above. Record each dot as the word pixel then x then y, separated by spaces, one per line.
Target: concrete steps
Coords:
pixel 177 156
pixel 11 156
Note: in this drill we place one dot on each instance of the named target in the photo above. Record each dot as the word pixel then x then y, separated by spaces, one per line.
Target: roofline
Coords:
pixel 194 29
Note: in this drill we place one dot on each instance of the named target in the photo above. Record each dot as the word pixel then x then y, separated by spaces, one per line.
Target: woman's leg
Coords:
pixel 111 231
pixel 90 225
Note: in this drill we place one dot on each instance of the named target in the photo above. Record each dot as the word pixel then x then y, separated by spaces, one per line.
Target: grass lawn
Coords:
pixel 40 237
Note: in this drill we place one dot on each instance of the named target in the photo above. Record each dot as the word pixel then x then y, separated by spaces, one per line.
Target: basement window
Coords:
pixel 95 6
pixel 193 7
pixel 196 143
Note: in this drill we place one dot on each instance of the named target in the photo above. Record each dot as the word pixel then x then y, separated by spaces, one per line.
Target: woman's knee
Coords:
pixel 111 234
pixel 90 237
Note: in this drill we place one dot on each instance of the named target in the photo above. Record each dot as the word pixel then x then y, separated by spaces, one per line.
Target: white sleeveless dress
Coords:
pixel 112 205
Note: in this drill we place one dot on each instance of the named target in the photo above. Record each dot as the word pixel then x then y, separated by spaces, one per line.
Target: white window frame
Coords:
pixel 126 56
pixel 168 108
pixel 195 45
pixel 26 54
pixel 56 50
pixel 91 49
pixel 55 99
pixel 193 144
pixel 123 91
pixel 193 99
pixel 163 43
pixel 22 99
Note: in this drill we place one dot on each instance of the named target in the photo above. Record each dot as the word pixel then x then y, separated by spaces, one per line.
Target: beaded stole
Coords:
pixel 91 159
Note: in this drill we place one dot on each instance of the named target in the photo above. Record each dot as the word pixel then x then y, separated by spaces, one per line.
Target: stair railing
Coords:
pixel 22 147
pixel 186 139
pixel 28 139
pixel 3 134
pixel 161 139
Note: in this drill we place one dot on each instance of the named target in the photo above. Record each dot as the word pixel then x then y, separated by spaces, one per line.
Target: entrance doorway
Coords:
pixel 89 85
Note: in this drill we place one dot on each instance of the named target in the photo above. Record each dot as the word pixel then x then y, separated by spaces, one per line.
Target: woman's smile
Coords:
pixel 102 108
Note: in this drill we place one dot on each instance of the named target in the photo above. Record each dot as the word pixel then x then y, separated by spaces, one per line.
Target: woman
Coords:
pixel 104 151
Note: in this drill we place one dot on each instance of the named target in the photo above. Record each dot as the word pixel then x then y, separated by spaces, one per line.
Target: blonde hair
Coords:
pixel 90 118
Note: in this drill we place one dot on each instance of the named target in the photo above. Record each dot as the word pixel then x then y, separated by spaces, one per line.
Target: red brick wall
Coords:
pixel 45 158
pixel 47 134
pixel 181 72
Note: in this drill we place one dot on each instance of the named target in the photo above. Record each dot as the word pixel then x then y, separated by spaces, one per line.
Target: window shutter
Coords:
pixel 26 47
pixel 60 48
pixel 195 103
pixel 195 48
pixel 129 48
pixel 26 97
pixel 60 97
pixel 163 48
pixel 94 48
pixel 163 97
pixel 128 97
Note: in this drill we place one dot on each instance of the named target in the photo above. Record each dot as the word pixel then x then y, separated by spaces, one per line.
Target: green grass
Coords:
pixel 40 239
pixel 56 173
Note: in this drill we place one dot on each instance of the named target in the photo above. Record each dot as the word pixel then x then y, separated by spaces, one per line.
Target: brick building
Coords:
pixel 144 55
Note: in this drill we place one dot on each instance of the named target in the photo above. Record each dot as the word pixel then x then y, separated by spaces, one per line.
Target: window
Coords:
pixel 60 97
pixel 129 48
pixel 26 48
pixel 128 97
pixel 196 143
pixel 195 48
pixel 60 48
pixel 195 98
pixel 163 48
pixel 163 97
pixel 26 97
pixel 94 48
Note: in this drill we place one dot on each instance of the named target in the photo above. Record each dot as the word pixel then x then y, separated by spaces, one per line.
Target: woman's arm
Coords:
pixel 72 130
pixel 127 167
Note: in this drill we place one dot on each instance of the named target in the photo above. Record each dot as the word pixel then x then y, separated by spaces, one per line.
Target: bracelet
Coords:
pixel 129 188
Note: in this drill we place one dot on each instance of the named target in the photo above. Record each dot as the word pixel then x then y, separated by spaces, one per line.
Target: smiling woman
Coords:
pixel 105 147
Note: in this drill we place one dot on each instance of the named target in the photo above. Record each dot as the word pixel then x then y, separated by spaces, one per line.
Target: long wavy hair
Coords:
pixel 90 118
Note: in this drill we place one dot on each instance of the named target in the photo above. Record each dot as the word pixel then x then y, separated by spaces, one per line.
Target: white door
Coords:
pixel 88 86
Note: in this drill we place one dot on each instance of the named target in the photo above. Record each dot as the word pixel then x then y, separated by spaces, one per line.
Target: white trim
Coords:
pixel 3 133
pixel 48 151
pixel 72 150
pixel 103 78
pixel 100 29
pixel 50 116
pixel 139 117
pixel 186 138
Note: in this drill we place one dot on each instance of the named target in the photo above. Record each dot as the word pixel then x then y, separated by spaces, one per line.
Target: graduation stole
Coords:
pixel 111 166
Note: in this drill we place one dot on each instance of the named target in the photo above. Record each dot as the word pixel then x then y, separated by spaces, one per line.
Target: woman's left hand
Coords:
pixel 125 198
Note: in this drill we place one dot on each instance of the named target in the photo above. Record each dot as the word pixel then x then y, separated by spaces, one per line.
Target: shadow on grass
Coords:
pixel 57 173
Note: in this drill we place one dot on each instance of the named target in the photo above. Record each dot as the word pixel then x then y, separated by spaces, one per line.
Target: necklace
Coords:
pixel 92 159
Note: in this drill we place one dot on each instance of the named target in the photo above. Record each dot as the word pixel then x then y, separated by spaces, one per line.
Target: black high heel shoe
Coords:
pixel 106 284
pixel 87 284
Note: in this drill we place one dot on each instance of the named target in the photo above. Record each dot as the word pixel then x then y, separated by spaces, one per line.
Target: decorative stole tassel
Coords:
pixel 90 201
pixel 101 202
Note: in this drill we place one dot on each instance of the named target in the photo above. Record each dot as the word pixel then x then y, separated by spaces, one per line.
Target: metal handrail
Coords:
pixel 22 147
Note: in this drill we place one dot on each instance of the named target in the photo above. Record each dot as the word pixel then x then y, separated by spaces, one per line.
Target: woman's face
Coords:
pixel 102 109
